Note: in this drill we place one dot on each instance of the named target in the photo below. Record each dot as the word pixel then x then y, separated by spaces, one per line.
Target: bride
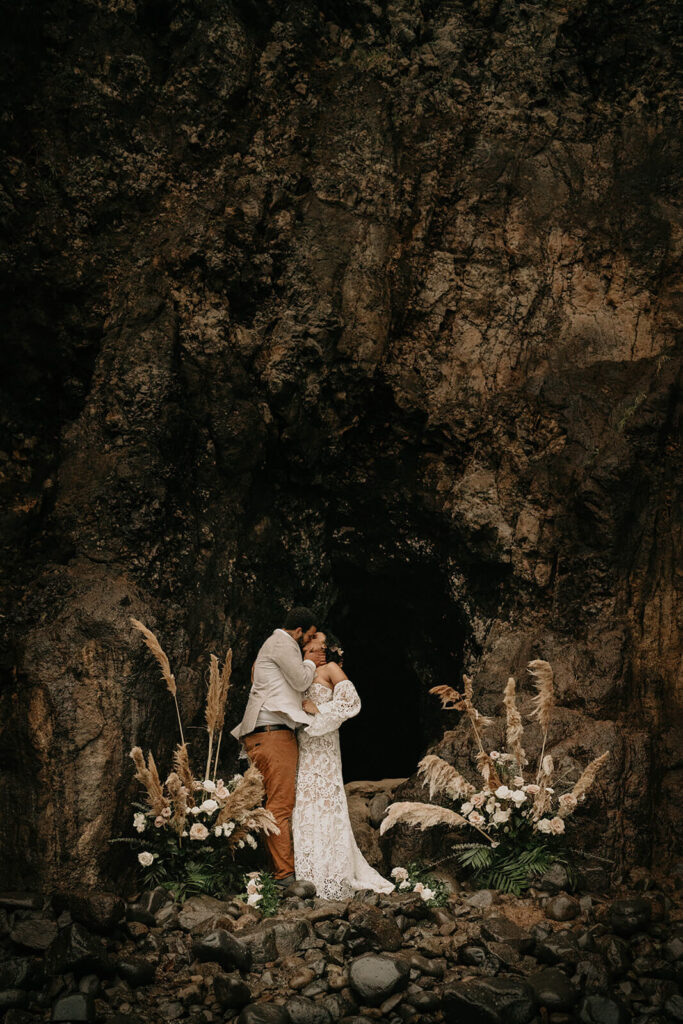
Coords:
pixel 325 850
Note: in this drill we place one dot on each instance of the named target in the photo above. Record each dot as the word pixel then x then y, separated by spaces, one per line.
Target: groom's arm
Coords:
pixel 299 674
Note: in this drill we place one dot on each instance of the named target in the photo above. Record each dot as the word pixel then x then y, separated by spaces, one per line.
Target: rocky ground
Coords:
pixel 485 958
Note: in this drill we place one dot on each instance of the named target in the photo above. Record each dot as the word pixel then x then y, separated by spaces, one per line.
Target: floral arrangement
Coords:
pixel 261 892
pixel 416 878
pixel 522 819
pixel 189 829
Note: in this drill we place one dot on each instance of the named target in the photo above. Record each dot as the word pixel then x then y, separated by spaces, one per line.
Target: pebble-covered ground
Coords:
pixel 548 958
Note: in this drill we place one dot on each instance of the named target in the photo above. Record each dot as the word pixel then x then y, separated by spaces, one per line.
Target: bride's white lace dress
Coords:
pixel 325 850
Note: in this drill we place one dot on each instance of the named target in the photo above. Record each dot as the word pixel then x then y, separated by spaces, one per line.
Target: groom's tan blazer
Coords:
pixel 280 677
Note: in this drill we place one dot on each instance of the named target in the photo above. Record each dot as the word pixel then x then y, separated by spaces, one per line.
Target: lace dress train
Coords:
pixel 325 850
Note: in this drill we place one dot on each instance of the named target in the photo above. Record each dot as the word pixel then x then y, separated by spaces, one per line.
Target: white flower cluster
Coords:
pixel 208 798
pixel 403 883
pixel 254 894
pixel 486 810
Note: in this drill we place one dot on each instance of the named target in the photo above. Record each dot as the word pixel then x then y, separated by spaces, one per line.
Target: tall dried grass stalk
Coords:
pixel 542 800
pixel 157 650
pixel 441 777
pixel 148 775
pixel 587 777
pixel 515 729
pixel 247 795
pixel 450 699
pixel 544 701
pixel 181 763
pixel 226 672
pixel 211 712
pixel 179 800
pixel 487 770
pixel 424 816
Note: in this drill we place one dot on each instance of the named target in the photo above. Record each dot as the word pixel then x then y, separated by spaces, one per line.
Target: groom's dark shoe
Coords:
pixel 284 883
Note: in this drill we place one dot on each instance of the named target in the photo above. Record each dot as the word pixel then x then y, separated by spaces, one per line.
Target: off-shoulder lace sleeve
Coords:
pixel 345 704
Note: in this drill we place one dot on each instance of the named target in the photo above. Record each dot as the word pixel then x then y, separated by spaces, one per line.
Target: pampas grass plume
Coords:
pixel 423 815
pixel 441 777
pixel 587 777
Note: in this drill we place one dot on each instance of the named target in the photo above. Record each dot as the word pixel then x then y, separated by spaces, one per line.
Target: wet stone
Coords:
pixel 425 1002
pixel 601 1010
pixel 301 890
pixel 560 948
pixel 136 972
pixel 305 1011
pixel 172 1010
pixel 616 954
pixel 301 979
pixel 562 908
pixel 198 910
pixel 377 925
pixel 264 1013
pixel 136 912
pixel 20 901
pixel 15 973
pixel 482 899
pixel 674 1007
pixel 75 1007
pixel 591 973
pixel 555 879
pixel 230 991
pixel 476 956
pixel 222 948
pixel 98 911
pixel 374 978
pixel 489 1001
pixel 76 950
pixel 500 929
pixel 377 809
pixel 553 989
pixel 35 933
pixel 626 917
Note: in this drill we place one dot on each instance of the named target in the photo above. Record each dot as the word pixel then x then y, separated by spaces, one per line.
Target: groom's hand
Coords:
pixel 317 657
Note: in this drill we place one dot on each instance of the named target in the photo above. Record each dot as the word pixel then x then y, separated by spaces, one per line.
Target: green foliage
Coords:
pixel 512 866
pixel 419 873
pixel 261 892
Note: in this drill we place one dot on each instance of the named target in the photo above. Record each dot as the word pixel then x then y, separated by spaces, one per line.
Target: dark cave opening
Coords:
pixel 400 636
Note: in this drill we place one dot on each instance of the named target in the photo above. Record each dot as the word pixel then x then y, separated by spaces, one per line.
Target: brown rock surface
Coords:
pixel 368 305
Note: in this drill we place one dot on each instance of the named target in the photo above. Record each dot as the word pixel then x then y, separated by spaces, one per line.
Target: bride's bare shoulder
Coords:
pixel 335 673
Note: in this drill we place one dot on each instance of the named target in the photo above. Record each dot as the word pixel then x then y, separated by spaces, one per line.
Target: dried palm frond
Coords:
pixel 450 699
pixel 261 820
pixel 226 672
pixel 587 777
pixel 148 775
pixel 487 770
pixel 443 778
pixel 544 701
pixel 157 650
pixel 515 729
pixel 175 788
pixel 542 799
pixel 181 763
pixel 424 815
pixel 245 797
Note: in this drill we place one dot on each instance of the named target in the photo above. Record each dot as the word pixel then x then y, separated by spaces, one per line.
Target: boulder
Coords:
pixel 98 911
pixel 230 991
pixel 304 1011
pixel 222 948
pixel 553 990
pixel 562 908
pixel 599 1009
pixel 35 933
pixel 489 1001
pixel 376 924
pixel 198 910
pixel 374 978
pixel 75 1007
pixel 501 929
pixel 136 971
pixel 626 917
pixel 76 950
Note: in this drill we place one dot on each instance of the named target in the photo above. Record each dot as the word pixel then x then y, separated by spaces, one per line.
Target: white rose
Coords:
pixel 476 818
pixel 543 825
pixel 478 799
pixel 519 796
pixel 405 885
pixel 209 806
pixel 466 808
pixel 166 813
pixel 255 898
pixel 139 822
pixel 209 786
pixel 159 821
pixel 418 887
pixel 494 755
pixel 400 874
pixel 252 842
pixel 218 831
pixel 228 828
pixel 568 803
pixel 194 810
pixel 518 781
pixel 491 805
pixel 533 789
pixel 222 793
pixel 198 831
pixel 556 826
pixel 500 816
pixel 146 858
pixel 503 793
pixel 254 874
pixel 252 886
pixel 427 894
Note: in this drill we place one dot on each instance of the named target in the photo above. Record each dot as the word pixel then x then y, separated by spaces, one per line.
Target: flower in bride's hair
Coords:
pixel 146 858
pixel 198 831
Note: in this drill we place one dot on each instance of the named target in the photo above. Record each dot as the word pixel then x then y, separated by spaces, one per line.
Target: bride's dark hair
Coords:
pixel 333 648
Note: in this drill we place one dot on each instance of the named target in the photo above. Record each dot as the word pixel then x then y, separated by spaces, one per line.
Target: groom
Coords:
pixel 273 711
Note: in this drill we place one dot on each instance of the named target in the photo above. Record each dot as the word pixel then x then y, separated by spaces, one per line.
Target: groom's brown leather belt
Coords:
pixel 270 728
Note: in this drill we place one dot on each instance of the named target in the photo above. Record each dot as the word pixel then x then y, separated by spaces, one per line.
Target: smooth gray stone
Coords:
pixel 601 1010
pixel 222 948
pixel 76 1007
pixel 626 917
pixel 553 989
pixel 231 992
pixel 489 1001
pixel 374 978
pixel 304 1011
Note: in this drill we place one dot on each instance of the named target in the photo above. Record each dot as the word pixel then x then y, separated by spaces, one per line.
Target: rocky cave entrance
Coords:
pixel 400 636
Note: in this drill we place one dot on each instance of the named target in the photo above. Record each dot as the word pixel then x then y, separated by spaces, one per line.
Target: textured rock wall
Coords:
pixel 347 302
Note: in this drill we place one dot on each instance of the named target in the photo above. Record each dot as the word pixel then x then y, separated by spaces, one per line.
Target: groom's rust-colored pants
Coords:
pixel 275 754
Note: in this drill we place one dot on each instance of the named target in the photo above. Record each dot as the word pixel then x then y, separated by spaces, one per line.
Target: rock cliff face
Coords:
pixel 364 304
